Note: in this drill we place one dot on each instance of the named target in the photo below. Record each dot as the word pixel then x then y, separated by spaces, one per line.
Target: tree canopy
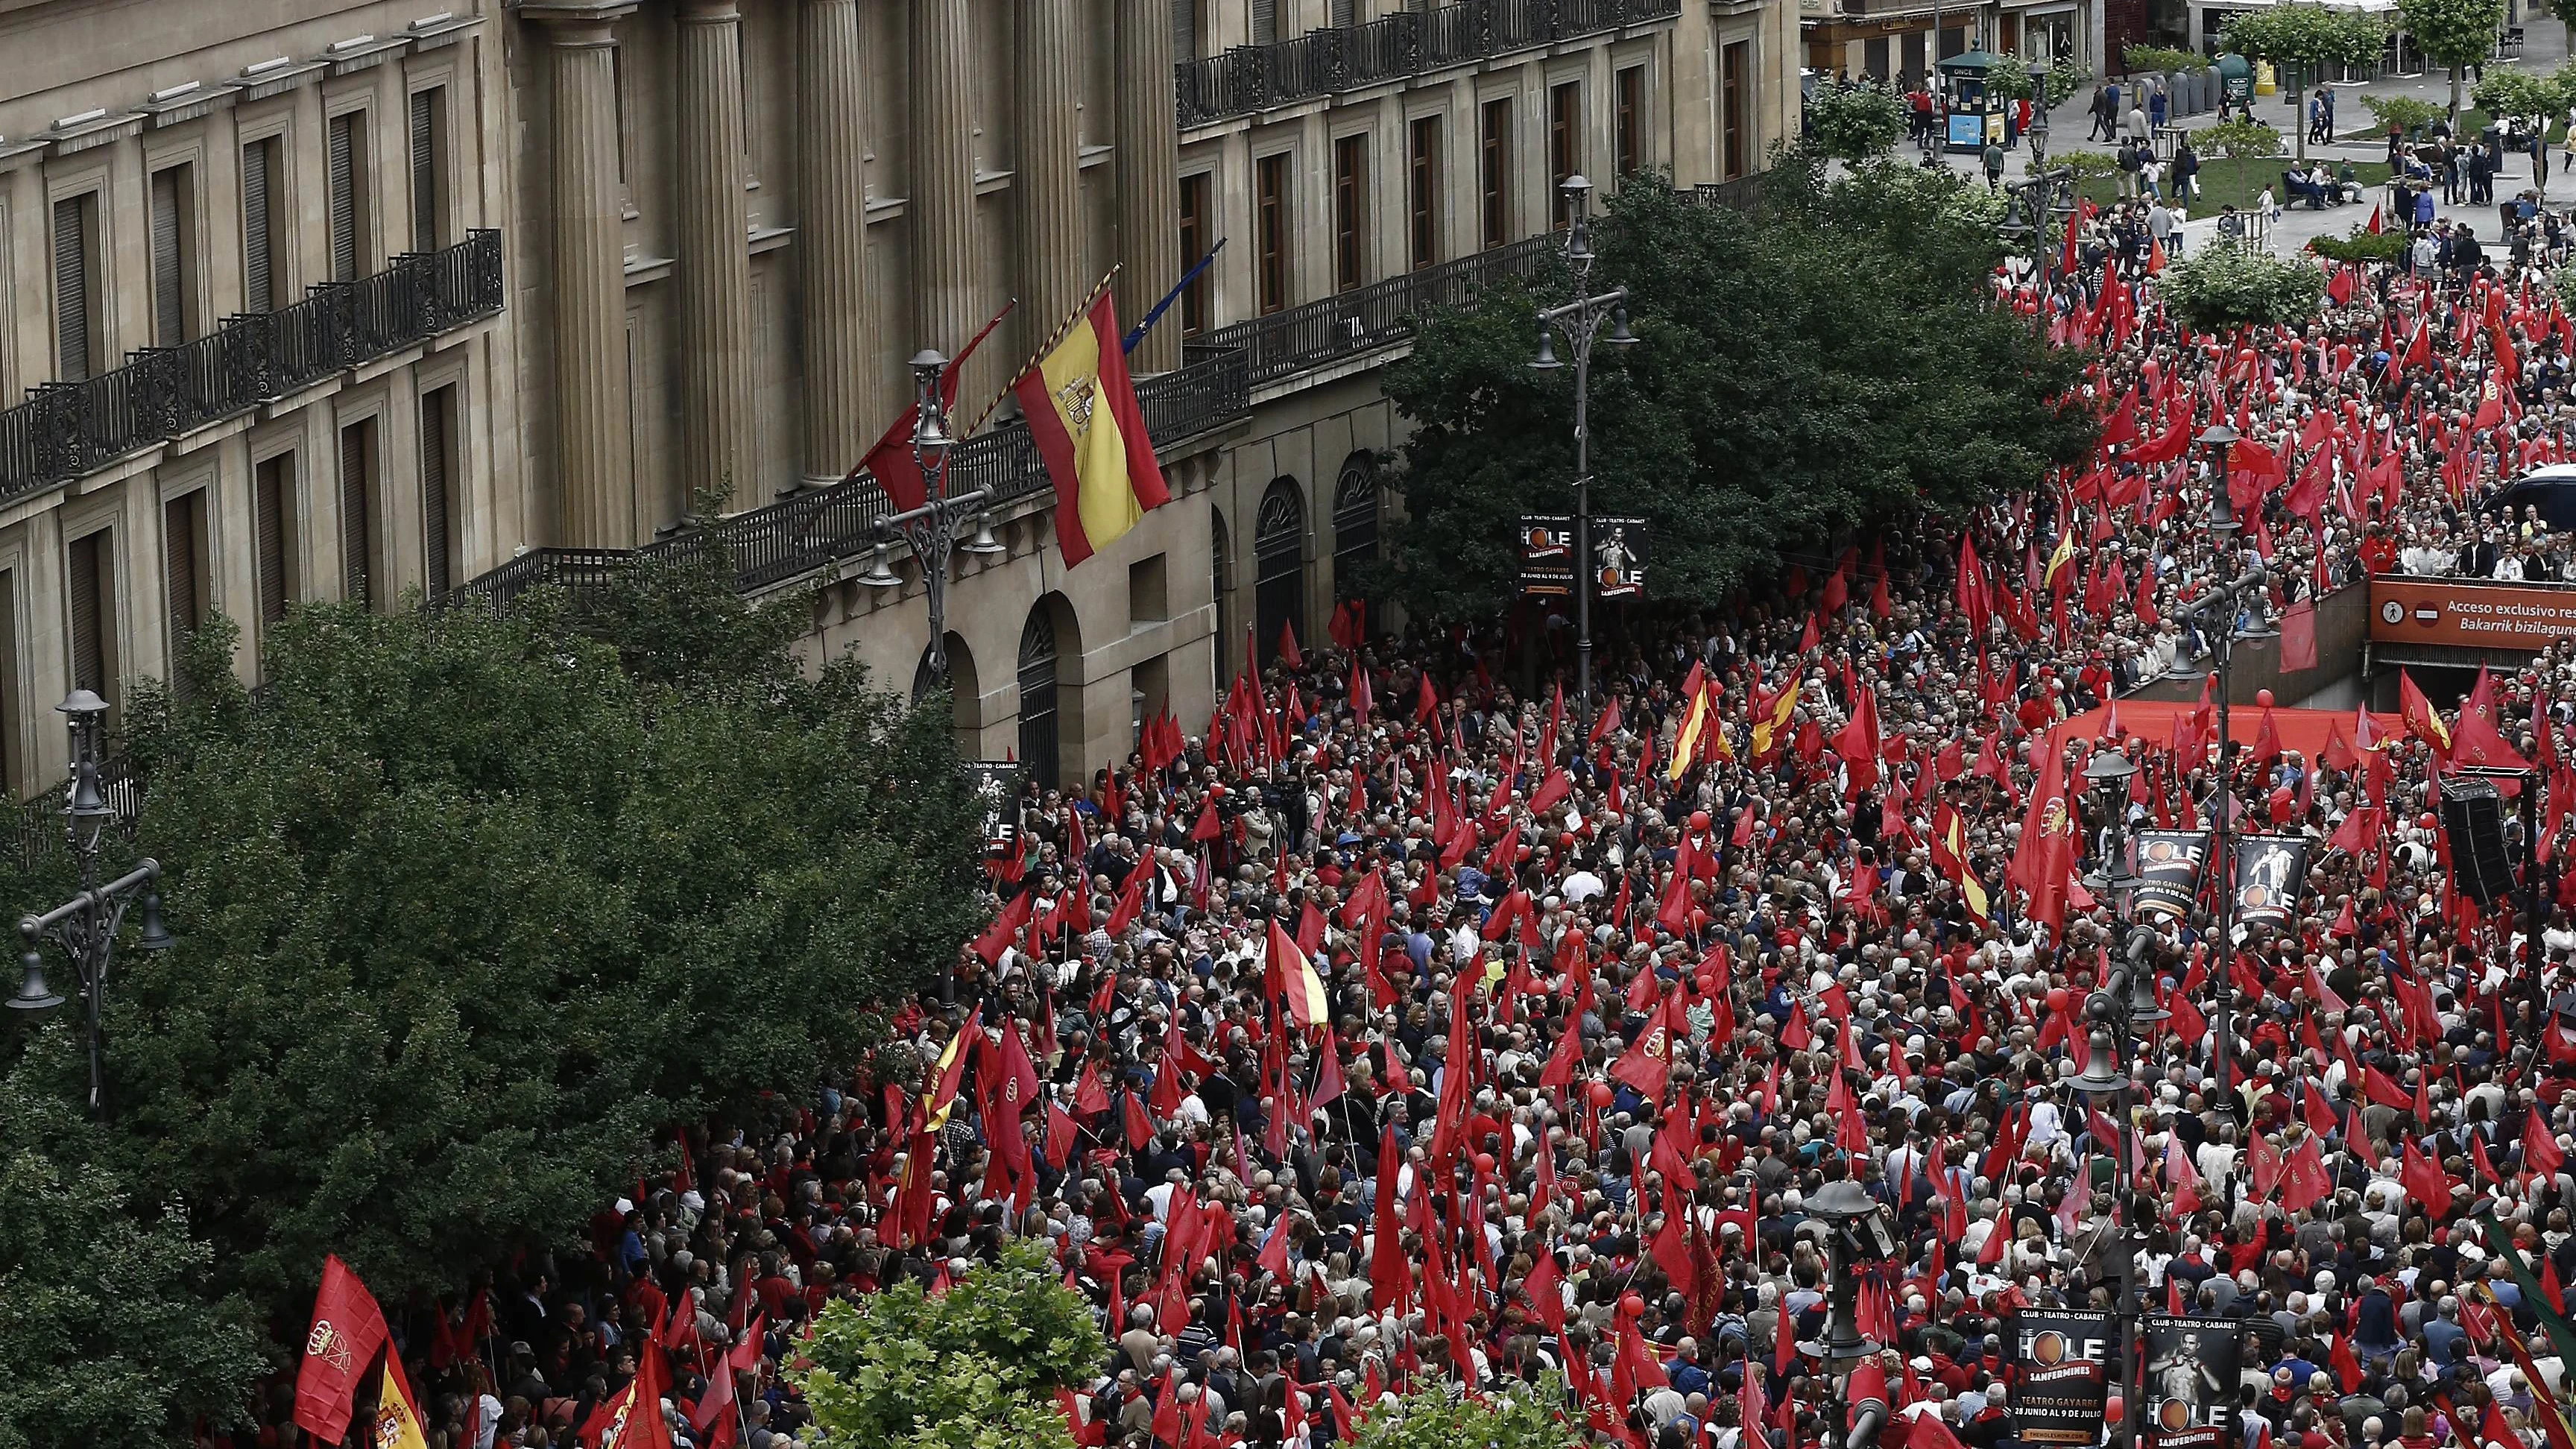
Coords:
pixel 1770 405
pixel 974 1368
pixel 473 909
pixel 2221 288
pixel 1856 122
pixel 2313 38
pixel 2454 34
pixel 1527 1416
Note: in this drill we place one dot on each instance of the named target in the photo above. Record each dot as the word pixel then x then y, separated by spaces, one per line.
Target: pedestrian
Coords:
pixel 2186 171
pixel 2128 161
pixel 1994 159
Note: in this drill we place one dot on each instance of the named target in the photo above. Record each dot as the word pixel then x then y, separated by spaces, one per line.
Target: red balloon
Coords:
pixel 1633 1304
pixel 2425 821
pixel 2057 997
pixel 1484 1163
pixel 2115 1411
pixel 1699 822
pixel 2263 697
pixel 1600 1094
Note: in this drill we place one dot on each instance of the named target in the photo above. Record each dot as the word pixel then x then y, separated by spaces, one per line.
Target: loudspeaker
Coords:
pixel 2473 821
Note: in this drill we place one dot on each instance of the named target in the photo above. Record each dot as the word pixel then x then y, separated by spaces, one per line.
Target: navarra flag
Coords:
pixel 397 1417
pixel 1293 976
pixel 1083 417
pixel 2418 713
pixel 348 1328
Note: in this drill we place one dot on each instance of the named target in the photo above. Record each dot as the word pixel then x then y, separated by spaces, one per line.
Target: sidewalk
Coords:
pixel 2544 49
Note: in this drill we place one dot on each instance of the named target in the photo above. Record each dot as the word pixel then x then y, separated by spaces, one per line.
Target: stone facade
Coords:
pixel 725 225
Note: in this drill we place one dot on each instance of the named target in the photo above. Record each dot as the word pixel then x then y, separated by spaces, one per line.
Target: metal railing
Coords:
pixel 797 536
pixel 1249 78
pixel 1742 194
pixel 65 430
pixel 1364 319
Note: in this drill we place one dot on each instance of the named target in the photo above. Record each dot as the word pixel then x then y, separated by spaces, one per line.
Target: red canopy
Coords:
pixel 2303 730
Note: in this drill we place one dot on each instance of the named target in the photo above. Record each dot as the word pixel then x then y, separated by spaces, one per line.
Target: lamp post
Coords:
pixel 85 926
pixel 2032 208
pixel 1849 1211
pixel 930 531
pixel 1580 320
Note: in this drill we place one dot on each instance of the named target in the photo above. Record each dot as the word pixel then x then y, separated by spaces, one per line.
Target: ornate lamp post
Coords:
pixel 931 530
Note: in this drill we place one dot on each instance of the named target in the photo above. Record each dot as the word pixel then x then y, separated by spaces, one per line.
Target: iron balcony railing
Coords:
pixel 65 430
pixel 797 536
pixel 1365 319
pixel 1249 78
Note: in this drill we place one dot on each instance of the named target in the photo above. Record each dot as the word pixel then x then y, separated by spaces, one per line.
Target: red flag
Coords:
pixel 1288 652
pixel 2299 636
pixel 890 461
pixel 347 1330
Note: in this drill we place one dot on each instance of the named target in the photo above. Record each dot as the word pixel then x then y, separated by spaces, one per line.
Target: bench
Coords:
pixel 2294 190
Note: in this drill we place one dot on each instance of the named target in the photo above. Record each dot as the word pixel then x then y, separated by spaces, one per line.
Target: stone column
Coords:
pixel 594 456
pixel 831 186
pixel 943 179
pixel 715 259
pixel 1052 271
pixel 1149 184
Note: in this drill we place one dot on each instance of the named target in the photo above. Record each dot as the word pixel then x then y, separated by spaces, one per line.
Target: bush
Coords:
pixel 2406 113
pixel 2063 76
pixel 1853 123
pixel 2219 289
pixel 2362 245
pixel 2011 79
pixel 2238 140
pixel 2087 164
pixel 2160 58
pixel 1522 1416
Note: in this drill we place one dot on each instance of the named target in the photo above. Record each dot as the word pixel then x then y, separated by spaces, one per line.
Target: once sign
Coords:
pixel 2469 614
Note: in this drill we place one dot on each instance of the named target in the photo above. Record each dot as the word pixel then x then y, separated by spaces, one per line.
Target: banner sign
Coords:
pixel 2193 1365
pixel 2060 1385
pixel 1618 556
pixel 2271 871
pixel 2168 868
pixel 994 786
pixel 2470 614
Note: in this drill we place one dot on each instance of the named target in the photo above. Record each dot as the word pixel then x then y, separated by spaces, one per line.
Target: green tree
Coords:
pixel 1771 404
pixel 2453 34
pixel 975 1368
pixel 2512 93
pixel 1854 123
pixel 472 909
pixel 2219 289
pixel 110 1334
pixel 1517 1417
pixel 2406 113
pixel 2310 38
pixel 2238 142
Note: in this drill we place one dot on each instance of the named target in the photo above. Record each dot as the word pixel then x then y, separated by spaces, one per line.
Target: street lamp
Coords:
pixel 1580 320
pixel 1849 1211
pixel 85 926
pixel 931 530
pixel 2107 775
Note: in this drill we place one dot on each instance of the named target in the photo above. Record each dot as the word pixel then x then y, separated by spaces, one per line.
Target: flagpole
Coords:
pixel 1062 328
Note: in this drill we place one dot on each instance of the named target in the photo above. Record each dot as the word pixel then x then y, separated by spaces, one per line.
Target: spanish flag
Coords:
pixel 1950 852
pixel 2064 555
pixel 950 1073
pixel 1293 976
pixel 1694 722
pixel 1083 417
pixel 397 1421
pixel 1772 728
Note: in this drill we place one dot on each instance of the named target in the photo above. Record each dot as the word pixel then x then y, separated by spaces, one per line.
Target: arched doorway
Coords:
pixel 965 695
pixel 1279 564
pixel 1050 673
pixel 1356 497
pixel 1221 563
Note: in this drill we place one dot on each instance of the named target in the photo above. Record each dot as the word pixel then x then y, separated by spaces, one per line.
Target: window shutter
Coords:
pixel 1185 29
pixel 1265 22
pixel 169 319
pixel 89 653
pixel 1345 13
pixel 259 291
pixel 344 200
pixel 355 525
pixel 424 171
pixel 71 289
pixel 271 528
pixel 434 424
pixel 179 551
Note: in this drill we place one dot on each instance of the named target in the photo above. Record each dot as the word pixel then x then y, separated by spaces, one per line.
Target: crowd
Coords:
pixel 1409 1024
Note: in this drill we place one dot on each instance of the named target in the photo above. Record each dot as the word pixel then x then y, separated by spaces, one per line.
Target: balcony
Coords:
pixel 66 430
pixel 797 536
pixel 1365 319
pixel 1249 78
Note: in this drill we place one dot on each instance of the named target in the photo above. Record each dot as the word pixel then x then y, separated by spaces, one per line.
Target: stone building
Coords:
pixel 311 299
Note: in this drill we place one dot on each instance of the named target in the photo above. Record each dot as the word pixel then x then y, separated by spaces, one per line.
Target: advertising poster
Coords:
pixel 2193 1365
pixel 2061 1378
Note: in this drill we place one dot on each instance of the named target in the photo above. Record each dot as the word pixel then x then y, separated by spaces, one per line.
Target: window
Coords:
pixel 89 586
pixel 358 511
pixel 1194 247
pixel 273 503
pixel 1737 77
pixel 617 83
pixel 1270 207
pixel 1038 697
pixel 1149 592
pixel 1632 119
pixel 428 166
pixel 11 771
pixel 1265 22
pixel 348 173
pixel 174 238
pixel 1185 29
pixel 1355 523
pixel 1350 212
pixel 1423 188
pixel 1279 563
pixel 1495 167
pixel 1564 134
pixel 183 564
pixel 261 276
pixel 76 320
pixel 440 536
pixel 1345 14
